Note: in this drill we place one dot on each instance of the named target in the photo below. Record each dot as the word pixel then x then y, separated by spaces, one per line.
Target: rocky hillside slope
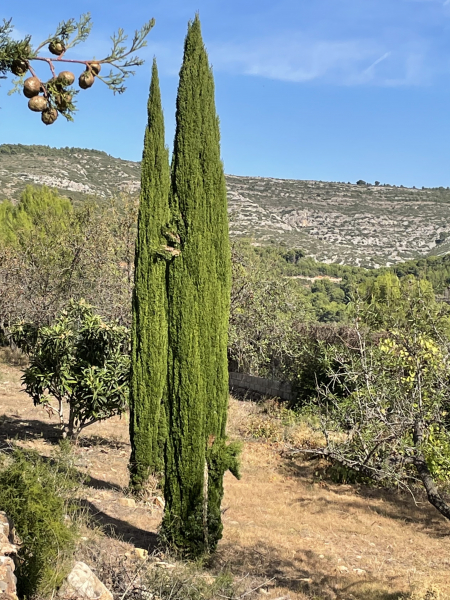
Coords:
pixel 353 224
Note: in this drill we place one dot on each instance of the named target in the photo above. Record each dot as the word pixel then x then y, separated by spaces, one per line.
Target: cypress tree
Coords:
pixel 149 327
pixel 196 455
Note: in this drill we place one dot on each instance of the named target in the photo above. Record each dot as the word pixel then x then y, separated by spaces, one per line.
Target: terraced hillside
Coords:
pixel 337 222
pixel 353 224
pixel 74 171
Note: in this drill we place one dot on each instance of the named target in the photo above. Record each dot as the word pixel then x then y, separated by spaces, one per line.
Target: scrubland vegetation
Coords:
pixel 366 350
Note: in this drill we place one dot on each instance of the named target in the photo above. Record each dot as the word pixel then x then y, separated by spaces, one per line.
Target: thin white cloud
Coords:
pixel 291 59
pixel 298 58
pixel 377 62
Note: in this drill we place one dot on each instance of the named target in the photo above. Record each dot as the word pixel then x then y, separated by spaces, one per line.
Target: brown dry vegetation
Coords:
pixel 287 530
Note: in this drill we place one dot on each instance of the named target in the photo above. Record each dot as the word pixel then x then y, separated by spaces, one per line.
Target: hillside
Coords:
pixel 351 224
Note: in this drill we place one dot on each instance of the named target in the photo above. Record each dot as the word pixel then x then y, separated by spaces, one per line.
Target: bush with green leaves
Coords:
pixel 52 251
pixel 390 420
pixel 80 360
pixel 38 496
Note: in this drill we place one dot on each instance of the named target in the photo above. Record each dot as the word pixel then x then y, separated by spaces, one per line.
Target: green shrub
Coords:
pixel 36 495
pixel 80 360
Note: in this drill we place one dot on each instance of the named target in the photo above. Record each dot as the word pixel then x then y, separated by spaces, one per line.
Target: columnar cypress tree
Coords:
pixel 149 328
pixel 198 300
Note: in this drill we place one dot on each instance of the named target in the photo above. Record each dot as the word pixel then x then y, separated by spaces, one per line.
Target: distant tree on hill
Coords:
pixel 56 96
pixel 442 237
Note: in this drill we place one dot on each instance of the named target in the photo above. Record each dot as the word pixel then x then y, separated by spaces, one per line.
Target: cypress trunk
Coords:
pixel 198 301
pixel 148 384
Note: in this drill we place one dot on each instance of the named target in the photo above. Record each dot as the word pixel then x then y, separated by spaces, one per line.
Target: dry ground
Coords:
pixel 301 537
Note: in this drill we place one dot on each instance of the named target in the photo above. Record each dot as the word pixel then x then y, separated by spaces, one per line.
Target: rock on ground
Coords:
pixel 82 583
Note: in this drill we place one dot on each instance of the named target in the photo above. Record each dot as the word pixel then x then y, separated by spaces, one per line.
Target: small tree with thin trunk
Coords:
pixel 385 412
pixel 80 361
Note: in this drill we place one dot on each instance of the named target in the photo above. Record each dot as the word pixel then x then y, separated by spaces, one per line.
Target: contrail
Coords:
pixel 386 55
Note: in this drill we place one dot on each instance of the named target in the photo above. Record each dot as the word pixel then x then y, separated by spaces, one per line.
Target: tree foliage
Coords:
pixel 384 412
pixel 266 312
pixel 79 360
pixel 198 299
pixel 150 328
pixel 51 252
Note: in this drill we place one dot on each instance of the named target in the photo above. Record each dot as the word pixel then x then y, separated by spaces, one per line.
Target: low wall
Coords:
pixel 7 550
pixel 265 387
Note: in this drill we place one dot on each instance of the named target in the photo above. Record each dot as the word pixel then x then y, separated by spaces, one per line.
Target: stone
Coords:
pixel 5 528
pixel 7 550
pixel 159 502
pixel 130 502
pixel 141 553
pixel 81 583
pixel 7 578
pixel 164 565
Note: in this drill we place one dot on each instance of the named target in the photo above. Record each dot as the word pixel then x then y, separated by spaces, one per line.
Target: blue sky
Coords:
pixel 336 90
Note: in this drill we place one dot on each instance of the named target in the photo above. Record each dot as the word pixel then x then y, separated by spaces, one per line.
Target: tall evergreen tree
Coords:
pixel 149 328
pixel 198 305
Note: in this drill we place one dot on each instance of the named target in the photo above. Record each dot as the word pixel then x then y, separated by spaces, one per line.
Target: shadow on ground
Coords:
pixel 12 428
pixel 20 428
pixel 122 530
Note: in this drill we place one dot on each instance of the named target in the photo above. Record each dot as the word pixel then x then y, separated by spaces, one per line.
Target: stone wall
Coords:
pixel 7 550
pixel 265 387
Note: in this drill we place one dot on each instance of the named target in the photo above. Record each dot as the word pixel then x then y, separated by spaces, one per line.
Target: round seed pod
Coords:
pixel 37 104
pixel 95 67
pixel 56 47
pixel 31 87
pixel 66 78
pixel 19 67
pixel 49 116
pixel 86 80
pixel 63 100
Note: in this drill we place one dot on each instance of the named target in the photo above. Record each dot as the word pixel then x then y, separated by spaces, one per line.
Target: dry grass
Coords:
pixel 284 530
